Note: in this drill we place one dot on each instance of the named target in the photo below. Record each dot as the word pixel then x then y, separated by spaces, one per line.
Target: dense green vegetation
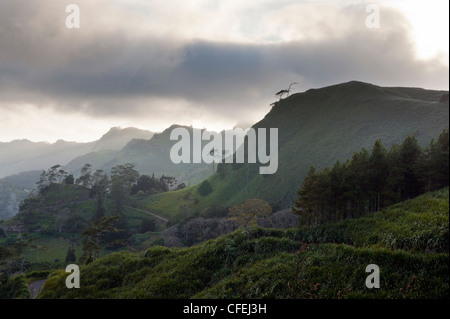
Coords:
pixel 369 182
pixel 79 219
pixel 408 241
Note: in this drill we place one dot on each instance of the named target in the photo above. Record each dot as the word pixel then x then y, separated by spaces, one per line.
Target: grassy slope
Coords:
pixel 408 241
pixel 317 128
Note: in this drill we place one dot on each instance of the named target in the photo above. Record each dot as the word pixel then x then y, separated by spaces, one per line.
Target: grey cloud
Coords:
pixel 113 74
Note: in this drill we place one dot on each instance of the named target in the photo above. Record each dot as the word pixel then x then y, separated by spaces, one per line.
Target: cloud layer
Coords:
pixel 208 60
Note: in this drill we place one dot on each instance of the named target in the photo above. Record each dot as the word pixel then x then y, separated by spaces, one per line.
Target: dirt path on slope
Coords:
pixel 35 287
pixel 149 213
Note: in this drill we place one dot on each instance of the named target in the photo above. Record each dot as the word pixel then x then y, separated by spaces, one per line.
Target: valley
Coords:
pixel 136 208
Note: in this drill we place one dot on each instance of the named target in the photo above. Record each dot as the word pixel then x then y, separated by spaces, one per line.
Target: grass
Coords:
pixel 408 241
pixel 51 249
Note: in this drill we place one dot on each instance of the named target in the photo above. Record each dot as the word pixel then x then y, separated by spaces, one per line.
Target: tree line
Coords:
pixel 122 181
pixel 370 181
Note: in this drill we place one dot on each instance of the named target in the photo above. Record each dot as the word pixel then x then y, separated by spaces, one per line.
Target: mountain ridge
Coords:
pixel 317 128
pixel 24 155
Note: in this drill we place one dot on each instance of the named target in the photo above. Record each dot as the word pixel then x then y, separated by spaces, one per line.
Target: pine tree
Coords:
pixel 410 153
pixel 306 206
pixel 70 256
pixel 377 175
pixel 439 159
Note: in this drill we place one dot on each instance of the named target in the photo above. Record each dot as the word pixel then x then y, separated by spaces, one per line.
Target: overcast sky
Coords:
pixel 211 63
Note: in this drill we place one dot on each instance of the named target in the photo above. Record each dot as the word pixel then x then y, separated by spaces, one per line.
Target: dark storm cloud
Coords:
pixel 111 73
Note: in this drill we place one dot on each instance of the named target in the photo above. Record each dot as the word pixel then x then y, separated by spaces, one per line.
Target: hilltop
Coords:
pixel 317 128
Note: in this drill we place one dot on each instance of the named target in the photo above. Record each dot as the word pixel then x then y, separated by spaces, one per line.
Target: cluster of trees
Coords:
pixel 122 181
pixel 108 225
pixel 152 185
pixel 370 181
pixel 55 174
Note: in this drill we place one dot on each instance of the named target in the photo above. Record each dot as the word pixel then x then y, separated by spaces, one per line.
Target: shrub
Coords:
pixel 14 287
pixel 205 188
pixel 147 224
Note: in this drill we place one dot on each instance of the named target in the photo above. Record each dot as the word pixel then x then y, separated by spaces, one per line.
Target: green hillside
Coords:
pixel 408 241
pixel 317 128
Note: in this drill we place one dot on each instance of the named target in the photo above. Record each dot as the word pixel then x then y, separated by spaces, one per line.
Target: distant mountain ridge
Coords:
pixel 23 155
pixel 116 138
pixel 21 162
pixel 150 156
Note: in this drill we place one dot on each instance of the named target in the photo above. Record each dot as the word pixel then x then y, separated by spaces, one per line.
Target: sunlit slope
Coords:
pixel 317 128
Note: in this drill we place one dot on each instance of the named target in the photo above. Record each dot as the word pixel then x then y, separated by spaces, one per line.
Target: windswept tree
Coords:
pixel 167 182
pixel 99 189
pixel 55 174
pixel 85 178
pixel 69 180
pixel 43 183
pixel 61 175
pixel 52 174
pixel 280 93
pixel 122 179
pixel 290 87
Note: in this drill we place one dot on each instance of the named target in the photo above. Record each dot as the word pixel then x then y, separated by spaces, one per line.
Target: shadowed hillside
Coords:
pixel 320 126
pixel 408 241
